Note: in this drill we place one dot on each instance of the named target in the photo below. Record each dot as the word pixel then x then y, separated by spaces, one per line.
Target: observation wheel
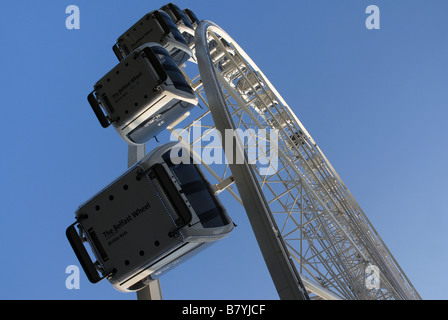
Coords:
pixel 316 240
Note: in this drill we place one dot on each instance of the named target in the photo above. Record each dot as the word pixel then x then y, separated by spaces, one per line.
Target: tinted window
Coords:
pixel 198 194
pixel 182 15
pixel 173 28
pixel 172 69
pixel 192 16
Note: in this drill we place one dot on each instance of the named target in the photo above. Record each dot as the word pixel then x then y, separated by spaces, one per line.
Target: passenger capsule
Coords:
pixel 298 138
pixel 191 17
pixel 159 213
pixel 158 27
pixel 142 95
pixel 182 22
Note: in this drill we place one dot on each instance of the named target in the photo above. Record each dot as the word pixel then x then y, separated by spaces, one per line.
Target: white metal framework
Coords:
pixel 333 245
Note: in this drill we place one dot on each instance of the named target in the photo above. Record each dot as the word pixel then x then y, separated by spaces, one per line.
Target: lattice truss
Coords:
pixel 328 235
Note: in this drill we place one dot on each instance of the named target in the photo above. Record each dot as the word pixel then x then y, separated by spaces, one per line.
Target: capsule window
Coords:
pixel 177 15
pixel 181 21
pixel 192 17
pixel 198 193
pixel 172 70
pixel 164 18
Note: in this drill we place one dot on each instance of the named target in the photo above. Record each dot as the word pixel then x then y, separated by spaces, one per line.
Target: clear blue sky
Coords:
pixel 374 100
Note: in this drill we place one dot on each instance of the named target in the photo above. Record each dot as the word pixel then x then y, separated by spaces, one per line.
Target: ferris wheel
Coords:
pixel 314 237
pixel 302 205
